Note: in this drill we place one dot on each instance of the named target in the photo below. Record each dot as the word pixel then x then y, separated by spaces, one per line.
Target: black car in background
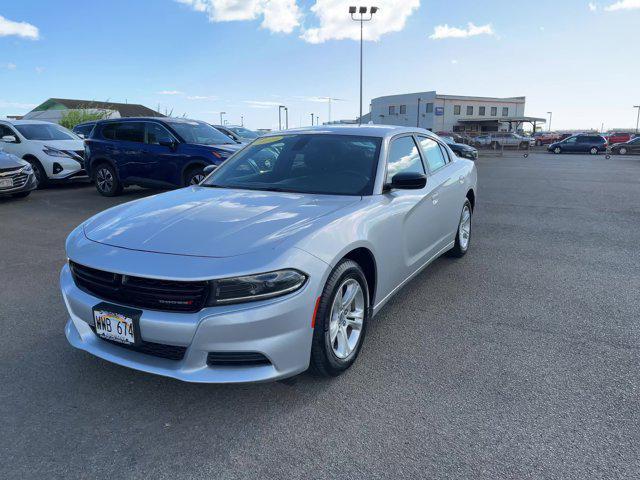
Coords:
pixel 16 176
pixel 460 149
pixel 628 148
pixel 581 143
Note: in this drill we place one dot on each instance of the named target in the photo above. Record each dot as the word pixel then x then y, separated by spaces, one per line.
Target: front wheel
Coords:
pixel 341 320
pixel 463 235
pixel 107 182
pixel 38 171
pixel 194 177
pixel 557 150
pixel 593 150
pixel 622 151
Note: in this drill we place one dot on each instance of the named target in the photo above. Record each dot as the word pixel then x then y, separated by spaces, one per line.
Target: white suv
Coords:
pixel 55 153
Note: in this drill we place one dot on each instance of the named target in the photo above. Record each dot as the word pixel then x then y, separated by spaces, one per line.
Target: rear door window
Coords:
pixel 432 153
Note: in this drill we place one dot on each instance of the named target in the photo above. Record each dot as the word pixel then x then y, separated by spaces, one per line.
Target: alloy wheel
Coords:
pixel 196 179
pixel 593 151
pixel 623 151
pixel 557 150
pixel 104 179
pixel 464 230
pixel 347 317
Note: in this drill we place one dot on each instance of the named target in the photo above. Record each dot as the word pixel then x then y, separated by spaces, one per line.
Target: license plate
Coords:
pixel 116 324
pixel 6 182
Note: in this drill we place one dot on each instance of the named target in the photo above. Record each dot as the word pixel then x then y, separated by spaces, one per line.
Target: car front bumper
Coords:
pixel 31 183
pixel 279 329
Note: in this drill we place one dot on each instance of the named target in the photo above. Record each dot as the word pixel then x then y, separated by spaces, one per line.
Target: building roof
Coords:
pixel 124 109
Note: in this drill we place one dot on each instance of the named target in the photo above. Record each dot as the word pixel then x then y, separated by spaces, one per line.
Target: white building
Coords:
pixel 451 113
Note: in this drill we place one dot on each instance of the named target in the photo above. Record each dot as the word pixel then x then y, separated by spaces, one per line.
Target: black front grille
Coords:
pixel 237 359
pixel 171 352
pixel 149 293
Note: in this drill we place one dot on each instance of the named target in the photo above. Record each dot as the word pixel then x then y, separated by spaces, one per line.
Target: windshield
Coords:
pixel 325 164
pixel 43 131
pixel 200 133
pixel 243 132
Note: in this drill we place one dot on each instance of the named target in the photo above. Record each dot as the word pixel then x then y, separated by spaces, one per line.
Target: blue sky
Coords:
pixel 200 57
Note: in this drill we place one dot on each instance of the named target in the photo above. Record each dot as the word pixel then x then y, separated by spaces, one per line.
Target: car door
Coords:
pixel 128 149
pixel 411 212
pixel 14 148
pixel 163 161
pixel 570 144
pixel 446 184
pixel 634 145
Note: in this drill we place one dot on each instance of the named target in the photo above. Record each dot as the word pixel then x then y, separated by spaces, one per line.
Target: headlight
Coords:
pixel 54 152
pixel 251 288
pixel 27 169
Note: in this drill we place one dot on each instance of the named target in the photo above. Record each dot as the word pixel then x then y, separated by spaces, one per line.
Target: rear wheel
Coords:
pixel 593 150
pixel 107 182
pixel 341 320
pixel 194 176
pixel 622 151
pixel 463 235
pixel 557 150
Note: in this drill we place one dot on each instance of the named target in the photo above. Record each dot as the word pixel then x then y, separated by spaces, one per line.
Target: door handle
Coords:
pixel 434 198
pixel 461 178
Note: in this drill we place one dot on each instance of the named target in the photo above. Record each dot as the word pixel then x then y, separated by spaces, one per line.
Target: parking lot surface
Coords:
pixel 520 360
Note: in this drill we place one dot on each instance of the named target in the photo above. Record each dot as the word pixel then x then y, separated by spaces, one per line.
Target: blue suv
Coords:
pixel 153 152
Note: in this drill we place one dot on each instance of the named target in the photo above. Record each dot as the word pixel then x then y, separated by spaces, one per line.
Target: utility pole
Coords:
pixel 638 119
pixel 242 120
pixel 286 113
pixel 418 114
pixel 312 120
pixel 361 11
pixel 550 116
pixel 222 121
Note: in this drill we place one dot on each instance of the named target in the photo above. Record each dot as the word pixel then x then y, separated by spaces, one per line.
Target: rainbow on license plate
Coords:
pixel 114 326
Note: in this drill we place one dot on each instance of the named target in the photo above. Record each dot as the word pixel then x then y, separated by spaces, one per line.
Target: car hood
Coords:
pixel 210 222
pixel 74 145
pixel 10 161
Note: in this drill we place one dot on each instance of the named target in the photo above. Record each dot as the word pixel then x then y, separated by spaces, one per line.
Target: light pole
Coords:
pixel 221 114
pixel 418 114
pixel 361 11
pixel 550 116
pixel 317 119
pixel 638 119
pixel 312 124
pixel 286 113
pixel 242 120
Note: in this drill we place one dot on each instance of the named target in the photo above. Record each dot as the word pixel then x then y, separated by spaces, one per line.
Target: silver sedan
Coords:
pixel 276 262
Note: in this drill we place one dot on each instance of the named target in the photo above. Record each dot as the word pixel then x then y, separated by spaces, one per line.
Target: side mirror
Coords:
pixel 208 169
pixel 408 181
pixel 167 143
pixel 9 139
pixel 81 135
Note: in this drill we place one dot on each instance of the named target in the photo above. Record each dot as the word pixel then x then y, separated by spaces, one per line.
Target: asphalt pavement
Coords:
pixel 518 361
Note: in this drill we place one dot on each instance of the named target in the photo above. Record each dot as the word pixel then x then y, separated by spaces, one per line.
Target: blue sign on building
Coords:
pixel 439 111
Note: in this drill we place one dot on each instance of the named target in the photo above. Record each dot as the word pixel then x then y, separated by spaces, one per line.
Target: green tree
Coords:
pixel 72 118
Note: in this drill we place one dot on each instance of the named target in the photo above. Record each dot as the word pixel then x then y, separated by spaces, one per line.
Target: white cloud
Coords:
pixel 336 24
pixel 445 31
pixel 623 5
pixel 454 62
pixel 10 66
pixel 20 29
pixel 281 16
pixel 201 97
pixel 592 7
pixel 261 104
pixel 170 92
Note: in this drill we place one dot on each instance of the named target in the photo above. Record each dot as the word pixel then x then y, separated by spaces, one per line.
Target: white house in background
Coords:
pixel 451 113
pixel 53 109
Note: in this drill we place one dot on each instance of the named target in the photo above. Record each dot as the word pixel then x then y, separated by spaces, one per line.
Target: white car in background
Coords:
pixel 55 153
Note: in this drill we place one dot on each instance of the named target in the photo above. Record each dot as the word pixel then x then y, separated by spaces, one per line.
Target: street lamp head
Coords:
pixel 373 10
pixel 352 10
pixel 362 10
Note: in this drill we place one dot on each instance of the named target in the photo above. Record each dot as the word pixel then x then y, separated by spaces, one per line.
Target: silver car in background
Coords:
pixel 276 262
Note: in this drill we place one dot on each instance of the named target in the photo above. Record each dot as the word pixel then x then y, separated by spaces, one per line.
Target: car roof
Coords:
pixel 381 131
pixel 150 119
pixel 25 122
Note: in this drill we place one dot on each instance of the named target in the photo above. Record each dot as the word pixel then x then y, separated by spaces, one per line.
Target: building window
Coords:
pixel 482 111
pixel 505 111
pixel 494 111
pixel 429 107
pixel 469 110
pixel 392 110
pixel 456 109
pixel 403 109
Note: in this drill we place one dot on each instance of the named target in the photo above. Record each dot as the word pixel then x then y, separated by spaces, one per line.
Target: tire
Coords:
pixel 194 176
pixel 622 151
pixel 41 175
pixel 107 182
pixel 557 150
pixel 329 357
pixel 593 150
pixel 21 194
pixel 463 234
